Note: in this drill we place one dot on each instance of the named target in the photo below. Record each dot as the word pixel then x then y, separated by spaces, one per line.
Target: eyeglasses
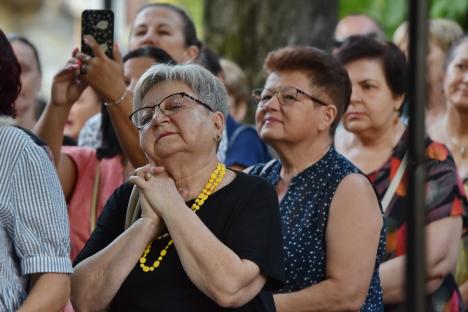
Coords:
pixel 170 105
pixel 285 95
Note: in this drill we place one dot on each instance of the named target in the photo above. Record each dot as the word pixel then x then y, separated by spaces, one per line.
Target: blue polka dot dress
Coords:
pixel 304 213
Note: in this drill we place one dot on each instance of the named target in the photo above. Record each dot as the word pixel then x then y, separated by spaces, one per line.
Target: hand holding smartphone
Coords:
pixel 100 25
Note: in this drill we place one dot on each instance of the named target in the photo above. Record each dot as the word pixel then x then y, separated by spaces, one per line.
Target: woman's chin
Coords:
pixel 355 126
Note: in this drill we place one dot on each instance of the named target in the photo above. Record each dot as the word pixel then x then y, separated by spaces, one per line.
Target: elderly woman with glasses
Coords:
pixel 205 238
pixel 331 220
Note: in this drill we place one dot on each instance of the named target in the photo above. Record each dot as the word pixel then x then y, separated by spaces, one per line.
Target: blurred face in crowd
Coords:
pixel 435 66
pixel 373 106
pixel 134 68
pixel 163 28
pixel 290 116
pixel 355 25
pixel 85 107
pixel 456 78
pixel 30 78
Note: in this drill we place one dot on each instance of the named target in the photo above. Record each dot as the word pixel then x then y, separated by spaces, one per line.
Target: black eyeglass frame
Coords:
pixel 153 107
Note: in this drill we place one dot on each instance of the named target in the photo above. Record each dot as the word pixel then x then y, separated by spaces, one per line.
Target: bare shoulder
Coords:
pixel 355 194
pixel 355 182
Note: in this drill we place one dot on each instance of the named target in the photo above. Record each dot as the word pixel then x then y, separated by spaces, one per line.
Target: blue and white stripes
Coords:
pixel 34 233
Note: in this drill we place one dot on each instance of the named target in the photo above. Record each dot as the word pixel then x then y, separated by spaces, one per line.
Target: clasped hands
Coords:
pixel 158 192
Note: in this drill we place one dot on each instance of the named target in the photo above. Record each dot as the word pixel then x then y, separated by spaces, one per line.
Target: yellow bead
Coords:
pixel 215 178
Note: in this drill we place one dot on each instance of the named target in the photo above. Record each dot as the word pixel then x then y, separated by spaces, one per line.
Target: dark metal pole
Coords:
pixel 108 4
pixel 416 263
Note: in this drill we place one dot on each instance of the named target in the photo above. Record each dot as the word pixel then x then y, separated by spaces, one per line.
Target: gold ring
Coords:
pixel 148 176
pixel 84 69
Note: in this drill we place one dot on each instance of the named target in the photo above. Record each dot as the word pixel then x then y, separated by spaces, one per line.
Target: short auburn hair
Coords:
pixel 321 69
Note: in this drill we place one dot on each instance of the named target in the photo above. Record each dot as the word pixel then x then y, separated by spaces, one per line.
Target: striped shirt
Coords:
pixel 34 234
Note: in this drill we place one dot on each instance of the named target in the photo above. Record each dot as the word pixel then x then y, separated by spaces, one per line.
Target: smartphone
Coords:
pixel 100 25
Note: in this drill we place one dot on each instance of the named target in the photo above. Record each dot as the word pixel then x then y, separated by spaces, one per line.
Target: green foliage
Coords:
pixel 392 13
pixel 195 10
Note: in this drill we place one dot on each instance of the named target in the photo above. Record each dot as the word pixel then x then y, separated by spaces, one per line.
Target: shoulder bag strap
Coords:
pixel 394 183
pixel 95 197
pixel 133 208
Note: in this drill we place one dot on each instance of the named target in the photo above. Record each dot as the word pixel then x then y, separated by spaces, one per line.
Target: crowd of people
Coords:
pixel 139 188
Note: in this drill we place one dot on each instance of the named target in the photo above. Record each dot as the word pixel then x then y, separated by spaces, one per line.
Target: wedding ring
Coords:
pixel 84 69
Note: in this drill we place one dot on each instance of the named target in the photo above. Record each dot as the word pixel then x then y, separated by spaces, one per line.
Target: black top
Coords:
pixel 244 215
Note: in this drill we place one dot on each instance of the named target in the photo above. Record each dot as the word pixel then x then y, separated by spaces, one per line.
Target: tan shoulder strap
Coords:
pixel 95 197
pixel 133 208
pixel 394 183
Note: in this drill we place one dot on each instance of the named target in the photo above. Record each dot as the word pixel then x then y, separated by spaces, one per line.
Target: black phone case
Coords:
pixel 100 25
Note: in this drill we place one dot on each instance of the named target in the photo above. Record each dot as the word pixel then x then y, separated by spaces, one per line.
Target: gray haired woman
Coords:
pixel 207 238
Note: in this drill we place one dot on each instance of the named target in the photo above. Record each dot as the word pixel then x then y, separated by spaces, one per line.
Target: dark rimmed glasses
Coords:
pixel 170 105
pixel 285 95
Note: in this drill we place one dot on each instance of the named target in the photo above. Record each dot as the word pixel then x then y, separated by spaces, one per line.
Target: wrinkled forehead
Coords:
pixel 162 89
pixel 281 79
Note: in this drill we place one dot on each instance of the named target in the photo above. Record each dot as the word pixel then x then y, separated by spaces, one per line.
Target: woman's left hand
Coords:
pixel 157 188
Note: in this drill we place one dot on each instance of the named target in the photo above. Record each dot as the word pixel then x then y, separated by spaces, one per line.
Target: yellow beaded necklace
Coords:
pixel 215 178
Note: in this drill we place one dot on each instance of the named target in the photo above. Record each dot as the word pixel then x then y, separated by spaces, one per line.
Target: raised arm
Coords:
pixel 106 77
pixel 352 239
pixel 66 89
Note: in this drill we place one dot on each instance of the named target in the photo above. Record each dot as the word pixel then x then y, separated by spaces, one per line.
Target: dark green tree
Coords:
pixel 246 30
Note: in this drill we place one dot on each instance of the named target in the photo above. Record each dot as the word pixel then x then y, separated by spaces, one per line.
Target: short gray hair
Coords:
pixel 208 88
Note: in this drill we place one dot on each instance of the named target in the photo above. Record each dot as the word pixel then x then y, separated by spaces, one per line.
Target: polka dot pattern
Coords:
pixel 304 213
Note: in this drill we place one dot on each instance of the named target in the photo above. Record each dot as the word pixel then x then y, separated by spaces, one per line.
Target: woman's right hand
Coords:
pixel 67 85
pixel 147 212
